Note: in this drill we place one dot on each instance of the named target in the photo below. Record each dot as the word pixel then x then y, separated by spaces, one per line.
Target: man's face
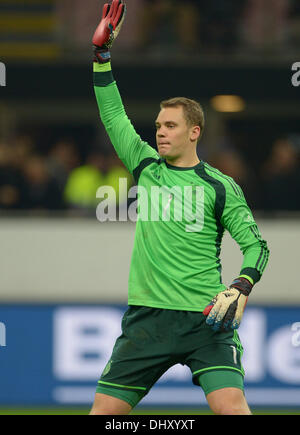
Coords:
pixel 174 137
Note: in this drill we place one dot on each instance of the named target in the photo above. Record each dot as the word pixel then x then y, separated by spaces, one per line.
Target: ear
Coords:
pixel 195 133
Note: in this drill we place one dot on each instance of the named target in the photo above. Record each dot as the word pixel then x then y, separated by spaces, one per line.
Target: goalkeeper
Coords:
pixel 179 309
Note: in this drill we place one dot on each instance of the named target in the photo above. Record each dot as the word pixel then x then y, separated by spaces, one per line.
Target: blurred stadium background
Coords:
pixel 63 273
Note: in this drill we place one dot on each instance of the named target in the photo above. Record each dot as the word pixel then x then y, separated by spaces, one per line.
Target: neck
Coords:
pixel 184 161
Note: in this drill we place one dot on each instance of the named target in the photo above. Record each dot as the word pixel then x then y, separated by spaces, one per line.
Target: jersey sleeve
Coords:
pixel 127 143
pixel 238 219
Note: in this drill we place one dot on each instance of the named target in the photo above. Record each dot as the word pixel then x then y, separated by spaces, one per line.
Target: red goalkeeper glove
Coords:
pixel 108 29
pixel 226 309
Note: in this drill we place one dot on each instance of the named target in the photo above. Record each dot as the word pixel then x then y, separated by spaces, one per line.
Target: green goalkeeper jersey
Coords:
pixel 182 216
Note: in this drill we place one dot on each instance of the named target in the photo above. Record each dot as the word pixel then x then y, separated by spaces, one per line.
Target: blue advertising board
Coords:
pixel 54 355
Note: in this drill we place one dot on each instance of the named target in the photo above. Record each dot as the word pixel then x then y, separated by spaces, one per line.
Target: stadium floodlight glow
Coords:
pixel 228 103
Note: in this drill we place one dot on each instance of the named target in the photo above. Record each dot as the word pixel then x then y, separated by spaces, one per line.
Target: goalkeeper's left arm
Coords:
pixel 225 311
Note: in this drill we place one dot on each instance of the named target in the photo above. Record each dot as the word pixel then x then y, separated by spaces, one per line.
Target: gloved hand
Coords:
pixel 108 29
pixel 226 309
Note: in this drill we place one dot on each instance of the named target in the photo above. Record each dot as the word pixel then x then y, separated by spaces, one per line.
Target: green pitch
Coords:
pixel 82 411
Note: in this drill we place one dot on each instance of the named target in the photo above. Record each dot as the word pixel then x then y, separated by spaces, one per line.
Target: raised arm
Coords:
pixel 127 143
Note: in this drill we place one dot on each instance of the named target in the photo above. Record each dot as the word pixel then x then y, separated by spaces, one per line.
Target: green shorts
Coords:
pixel 153 340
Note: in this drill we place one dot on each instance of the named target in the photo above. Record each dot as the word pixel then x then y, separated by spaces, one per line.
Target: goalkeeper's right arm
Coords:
pixel 108 29
pixel 127 143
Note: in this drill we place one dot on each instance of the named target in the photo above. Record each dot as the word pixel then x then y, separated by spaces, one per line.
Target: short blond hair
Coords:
pixel 192 110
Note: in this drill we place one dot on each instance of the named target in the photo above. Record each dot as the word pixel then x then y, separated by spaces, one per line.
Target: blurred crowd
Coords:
pixel 271 185
pixel 61 180
pixel 64 28
pixel 197 26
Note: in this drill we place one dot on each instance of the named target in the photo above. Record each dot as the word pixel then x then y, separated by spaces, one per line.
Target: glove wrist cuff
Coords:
pixel 243 285
pixel 101 55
